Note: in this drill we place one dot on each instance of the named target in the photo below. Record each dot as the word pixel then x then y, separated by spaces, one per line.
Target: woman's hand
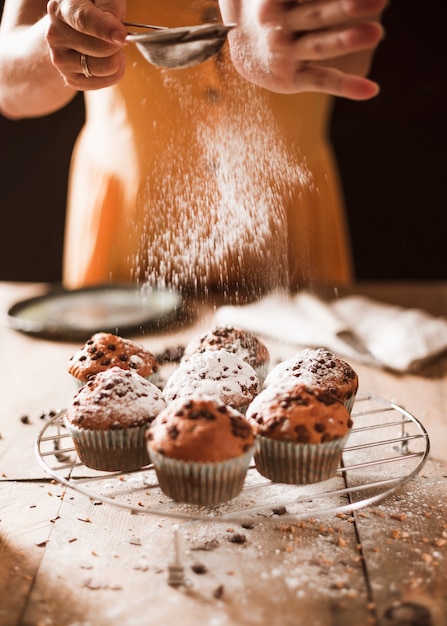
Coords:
pixel 85 41
pixel 313 45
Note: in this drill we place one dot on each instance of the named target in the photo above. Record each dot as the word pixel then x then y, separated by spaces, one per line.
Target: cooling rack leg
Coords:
pixel 402 447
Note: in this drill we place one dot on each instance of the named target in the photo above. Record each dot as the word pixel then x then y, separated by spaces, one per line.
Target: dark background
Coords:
pixel 392 150
pixel 391 153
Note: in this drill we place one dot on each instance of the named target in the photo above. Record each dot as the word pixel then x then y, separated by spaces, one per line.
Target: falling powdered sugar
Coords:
pixel 219 215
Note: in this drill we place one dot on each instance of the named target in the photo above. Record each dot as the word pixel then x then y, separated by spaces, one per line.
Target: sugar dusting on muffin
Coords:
pixel 219 373
pixel 318 368
pixel 115 399
pixel 236 340
pixel 300 414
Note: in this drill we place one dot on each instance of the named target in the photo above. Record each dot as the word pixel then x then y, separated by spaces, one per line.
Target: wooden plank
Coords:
pixel 404 543
pixel 27 516
pixel 76 561
pixel 104 565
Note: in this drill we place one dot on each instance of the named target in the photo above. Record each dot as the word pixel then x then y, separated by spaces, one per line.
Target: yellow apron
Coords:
pixel 196 177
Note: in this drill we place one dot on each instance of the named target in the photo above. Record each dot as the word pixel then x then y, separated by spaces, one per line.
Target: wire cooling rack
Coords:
pixel 387 447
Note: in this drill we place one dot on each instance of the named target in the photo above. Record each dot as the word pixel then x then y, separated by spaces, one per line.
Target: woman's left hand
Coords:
pixel 315 45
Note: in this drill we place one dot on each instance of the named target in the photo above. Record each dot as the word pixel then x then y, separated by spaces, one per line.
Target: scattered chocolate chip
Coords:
pixel 218 592
pixel 25 419
pixel 279 510
pixel 237 538
pixel 199 568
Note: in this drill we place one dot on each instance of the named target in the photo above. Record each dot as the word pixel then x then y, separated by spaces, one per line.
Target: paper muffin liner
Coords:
pixel 111 450
pixel 201 483
pixel 349 402
pixel 297 463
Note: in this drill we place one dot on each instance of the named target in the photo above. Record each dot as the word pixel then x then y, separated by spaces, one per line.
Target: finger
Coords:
pixel 335 83
pixel 85 17
pixel 317 15
pixel 99 67
pixel 95 73
pixel 66 46
pixel 322 45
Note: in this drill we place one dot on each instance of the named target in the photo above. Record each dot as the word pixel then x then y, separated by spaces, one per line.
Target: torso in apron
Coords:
pixel 196 177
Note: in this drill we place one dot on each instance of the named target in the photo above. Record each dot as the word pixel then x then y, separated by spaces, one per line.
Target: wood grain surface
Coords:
pixel 66 559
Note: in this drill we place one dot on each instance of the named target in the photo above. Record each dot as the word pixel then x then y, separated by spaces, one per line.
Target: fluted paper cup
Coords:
pixel 201 483
pixel 111 450
pixel 297 463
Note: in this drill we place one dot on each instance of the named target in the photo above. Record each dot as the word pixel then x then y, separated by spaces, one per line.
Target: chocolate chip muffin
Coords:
pixel 236 340
pixel 319 368
pixel 300 433
pixel 104 350
pixel 108 419
pixel 201 450
pixel 217 373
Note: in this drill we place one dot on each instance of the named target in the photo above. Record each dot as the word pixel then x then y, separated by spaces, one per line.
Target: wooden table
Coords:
pixel 66 559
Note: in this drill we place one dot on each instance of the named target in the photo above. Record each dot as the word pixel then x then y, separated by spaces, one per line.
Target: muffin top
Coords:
pixel 236 340
pixel 115 399
pixel 299 414
pixel 318 368
pixel 104 350
pixel 200 429
pixel 216 373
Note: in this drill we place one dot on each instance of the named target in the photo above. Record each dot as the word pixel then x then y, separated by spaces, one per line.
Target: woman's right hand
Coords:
pixel 86 41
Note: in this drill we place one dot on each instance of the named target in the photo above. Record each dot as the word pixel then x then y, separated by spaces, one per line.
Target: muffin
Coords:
pixel 319 368
pixel 300 433
pixel 108 419
pixel 217 373
pixel 104 350
pixel 201 450
pixel 236 340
